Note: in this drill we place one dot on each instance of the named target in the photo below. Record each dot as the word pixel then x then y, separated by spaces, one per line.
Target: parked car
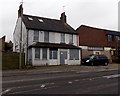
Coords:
pixel 95 60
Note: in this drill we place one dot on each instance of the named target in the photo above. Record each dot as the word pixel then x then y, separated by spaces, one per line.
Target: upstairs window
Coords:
pixel 46 36
pixel 70 38
pixel 62 37
pixel 118 39
pixel 110 38
pixel 36 36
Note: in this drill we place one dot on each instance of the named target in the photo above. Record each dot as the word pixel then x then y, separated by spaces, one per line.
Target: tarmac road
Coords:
pixel 63 80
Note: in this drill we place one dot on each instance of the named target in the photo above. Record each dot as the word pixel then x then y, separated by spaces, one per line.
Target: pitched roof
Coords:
pixel 46 24
pixel 105 30
pixel 53 45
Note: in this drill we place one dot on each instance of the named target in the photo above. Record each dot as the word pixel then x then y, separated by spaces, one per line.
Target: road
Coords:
pixel 63 82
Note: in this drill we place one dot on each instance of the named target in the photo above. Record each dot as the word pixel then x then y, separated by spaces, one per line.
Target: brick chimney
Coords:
pixel 20 11
pixel 63 17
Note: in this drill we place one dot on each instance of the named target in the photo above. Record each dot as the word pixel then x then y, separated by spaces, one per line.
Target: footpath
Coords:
pixel 59 69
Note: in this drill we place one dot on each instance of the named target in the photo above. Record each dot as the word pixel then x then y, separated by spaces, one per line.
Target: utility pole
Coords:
pixel 20 56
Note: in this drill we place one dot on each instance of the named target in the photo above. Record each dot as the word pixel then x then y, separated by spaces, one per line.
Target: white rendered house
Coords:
pixel 46 41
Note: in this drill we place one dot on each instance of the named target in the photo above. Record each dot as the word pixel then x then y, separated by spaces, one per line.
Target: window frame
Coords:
pixel 118 39
pixel 37 53
pixel 62 38
pixel 53 54
pixel 74 55
pixel 110 38
pixel 46 39
pixel 44 53
pixel 36 35
pixel 71 38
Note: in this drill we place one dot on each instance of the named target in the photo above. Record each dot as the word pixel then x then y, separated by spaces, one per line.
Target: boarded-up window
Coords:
pixel 74 53
pixel 37 53
pixel 44 53
pixel 36 35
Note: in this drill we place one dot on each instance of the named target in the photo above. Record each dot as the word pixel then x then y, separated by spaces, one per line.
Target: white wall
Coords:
pixel 54 37
pixel 16 35
pixel 41 62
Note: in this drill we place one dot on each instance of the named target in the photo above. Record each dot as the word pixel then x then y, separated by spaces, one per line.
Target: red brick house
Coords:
pixel 99 41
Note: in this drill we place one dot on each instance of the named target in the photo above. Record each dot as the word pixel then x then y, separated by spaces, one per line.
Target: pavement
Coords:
pixel 59 69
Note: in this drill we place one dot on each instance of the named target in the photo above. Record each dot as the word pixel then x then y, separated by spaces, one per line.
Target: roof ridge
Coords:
pixel 99 28
pixel 40 17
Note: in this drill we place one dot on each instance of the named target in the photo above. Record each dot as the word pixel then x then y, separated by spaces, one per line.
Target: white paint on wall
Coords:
pixel 84 47
pixel 107 48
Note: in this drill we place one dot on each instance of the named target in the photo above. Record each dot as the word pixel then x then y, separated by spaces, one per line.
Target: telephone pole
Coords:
pixel 20 56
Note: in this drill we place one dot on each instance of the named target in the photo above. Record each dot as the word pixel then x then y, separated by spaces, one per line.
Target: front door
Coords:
pixel 63 56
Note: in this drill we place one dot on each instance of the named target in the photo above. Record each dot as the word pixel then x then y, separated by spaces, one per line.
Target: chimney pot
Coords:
pixel 63 17
pixel 20 11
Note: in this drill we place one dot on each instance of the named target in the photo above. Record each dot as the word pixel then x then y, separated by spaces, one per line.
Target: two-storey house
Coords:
pixel 99 41
pixel 46 41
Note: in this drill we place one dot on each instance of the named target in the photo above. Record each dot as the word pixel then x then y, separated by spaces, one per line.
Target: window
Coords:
pixel 113 52
pixel 46 36
pixel 37 53
pixel 118 39
pixel 63 37
pixel 53 54
pixel 70 38
pixel 44 53
pixel 40 20
pixel 74 54
pixel 110 38
pixel 30 18
pixel 36 35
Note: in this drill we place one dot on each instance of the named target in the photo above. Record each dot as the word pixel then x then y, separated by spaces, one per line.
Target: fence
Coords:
pixel 10 60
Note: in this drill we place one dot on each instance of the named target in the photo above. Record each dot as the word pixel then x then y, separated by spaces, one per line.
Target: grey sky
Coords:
pixel 95 13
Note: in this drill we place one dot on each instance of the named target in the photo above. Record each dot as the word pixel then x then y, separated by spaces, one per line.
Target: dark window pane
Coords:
pixel 37 53
pixel 62 37
pixel 70 38
pixel 74 54
pixel 44 53
pixel 53 54
pixel 46 36
pixel 36 35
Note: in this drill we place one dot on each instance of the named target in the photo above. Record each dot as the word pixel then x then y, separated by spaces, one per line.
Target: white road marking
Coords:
pixel 76 80
pixel 42 86
pixel 112 76
pixel 70 82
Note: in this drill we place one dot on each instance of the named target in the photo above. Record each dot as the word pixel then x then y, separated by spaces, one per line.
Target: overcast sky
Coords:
pixel 95 13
